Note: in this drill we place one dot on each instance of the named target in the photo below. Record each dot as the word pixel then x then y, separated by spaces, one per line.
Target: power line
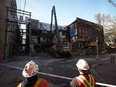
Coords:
pixel 24 5
pixel 19 4
pixel 17 1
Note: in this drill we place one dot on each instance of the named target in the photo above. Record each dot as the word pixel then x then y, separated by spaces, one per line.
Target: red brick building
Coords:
pixel 83 36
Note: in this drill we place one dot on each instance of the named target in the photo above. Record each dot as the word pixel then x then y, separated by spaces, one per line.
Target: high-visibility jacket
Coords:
pixel 86 81
pixel 39 83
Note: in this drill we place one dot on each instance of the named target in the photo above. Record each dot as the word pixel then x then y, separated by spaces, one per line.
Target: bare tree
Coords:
pixel 109 24
pixel 103 19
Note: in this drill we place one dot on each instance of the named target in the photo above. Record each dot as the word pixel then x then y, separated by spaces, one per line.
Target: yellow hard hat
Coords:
pixel 82 64
pixel 30 69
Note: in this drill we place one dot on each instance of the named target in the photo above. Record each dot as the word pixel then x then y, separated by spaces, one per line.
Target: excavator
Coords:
pixel 60 44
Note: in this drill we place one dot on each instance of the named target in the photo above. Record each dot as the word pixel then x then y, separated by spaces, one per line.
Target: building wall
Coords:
pixel 35 24
pixel 40 35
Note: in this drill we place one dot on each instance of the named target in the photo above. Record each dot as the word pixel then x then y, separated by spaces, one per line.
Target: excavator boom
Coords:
pixel 60 46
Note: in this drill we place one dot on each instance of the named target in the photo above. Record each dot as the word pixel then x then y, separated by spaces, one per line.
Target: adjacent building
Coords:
pixel 40 34
pixel 85 36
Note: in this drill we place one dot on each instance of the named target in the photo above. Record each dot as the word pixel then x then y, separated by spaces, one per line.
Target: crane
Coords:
pixel 114 4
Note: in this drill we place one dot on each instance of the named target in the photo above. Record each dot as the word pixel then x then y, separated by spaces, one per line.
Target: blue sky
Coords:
pixel 67 10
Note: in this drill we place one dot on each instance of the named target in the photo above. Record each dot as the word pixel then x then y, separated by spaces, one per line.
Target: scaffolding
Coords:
pixel 18 30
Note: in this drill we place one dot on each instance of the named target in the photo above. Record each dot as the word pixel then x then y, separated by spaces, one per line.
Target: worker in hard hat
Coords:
pixel 31 78
pixel 84 79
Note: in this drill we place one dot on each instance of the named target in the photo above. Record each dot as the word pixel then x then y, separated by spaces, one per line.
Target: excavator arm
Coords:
pixel 53 14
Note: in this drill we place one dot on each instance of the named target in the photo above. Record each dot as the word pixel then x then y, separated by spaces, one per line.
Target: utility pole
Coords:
pixel 97 48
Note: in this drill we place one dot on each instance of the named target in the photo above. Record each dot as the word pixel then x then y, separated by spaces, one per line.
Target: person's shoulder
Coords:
pixel 42 79
pixel 91 75
pixel 74 82
pixel 19 85
pixel 78 76
pixel 41 83
pixel 74 78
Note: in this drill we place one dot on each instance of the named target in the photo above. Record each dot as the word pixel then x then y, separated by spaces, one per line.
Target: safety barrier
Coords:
pixel 68 78
pixel 57 76
pixel 104 85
